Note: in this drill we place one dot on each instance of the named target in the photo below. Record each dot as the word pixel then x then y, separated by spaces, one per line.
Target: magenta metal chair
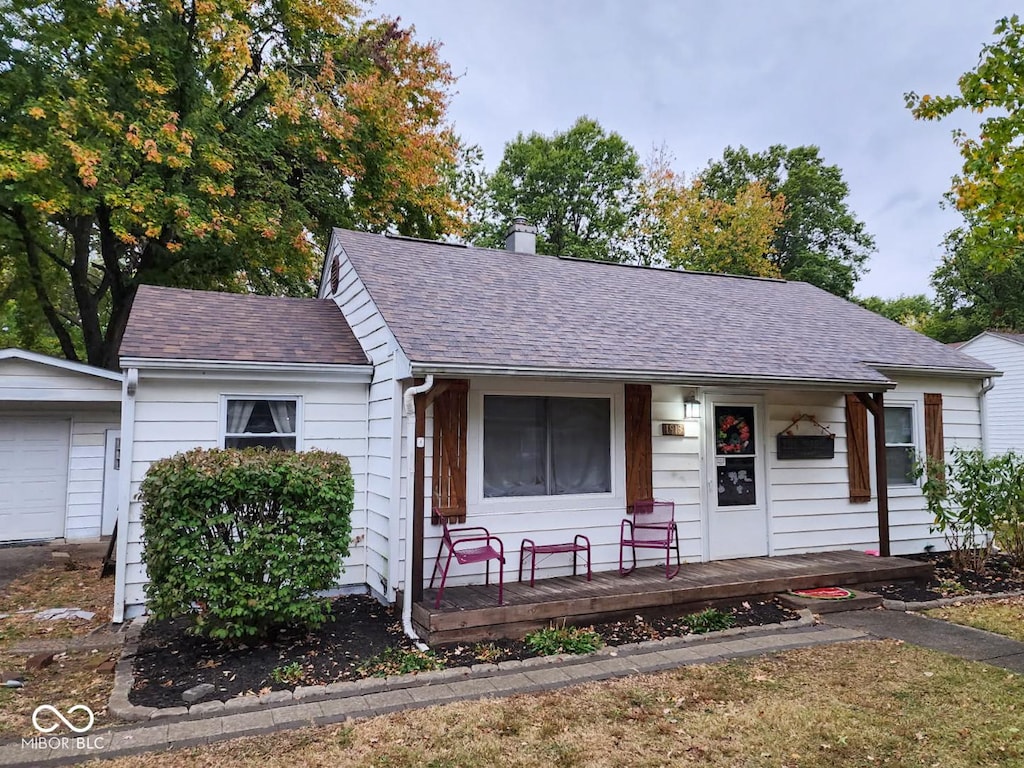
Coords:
pixel 467 545
pixel 652 526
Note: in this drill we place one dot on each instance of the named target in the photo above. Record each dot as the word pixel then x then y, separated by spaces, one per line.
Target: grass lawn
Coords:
pixel 858 704
pixel 72 678
pixel 1004 616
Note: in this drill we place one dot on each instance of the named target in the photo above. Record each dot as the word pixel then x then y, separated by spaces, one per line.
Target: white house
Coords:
pixel 1003 407
pixel 540 396
pixel 59 432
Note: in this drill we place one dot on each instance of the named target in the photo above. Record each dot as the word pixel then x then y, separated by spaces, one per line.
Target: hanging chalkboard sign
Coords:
pixel 805 446
pixel 791 446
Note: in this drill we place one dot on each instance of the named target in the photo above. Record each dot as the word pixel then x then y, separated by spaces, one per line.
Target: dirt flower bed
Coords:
pixel 1002 574
pixel 71 678
pixel 358 634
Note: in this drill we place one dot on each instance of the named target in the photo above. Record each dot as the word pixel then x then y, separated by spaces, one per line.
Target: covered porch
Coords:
pixel 471 613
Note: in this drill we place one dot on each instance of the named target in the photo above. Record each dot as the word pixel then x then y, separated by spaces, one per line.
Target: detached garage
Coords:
pixel 59 439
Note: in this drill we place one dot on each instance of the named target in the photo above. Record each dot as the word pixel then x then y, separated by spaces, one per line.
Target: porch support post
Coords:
pixel 875 403
pixel 419 453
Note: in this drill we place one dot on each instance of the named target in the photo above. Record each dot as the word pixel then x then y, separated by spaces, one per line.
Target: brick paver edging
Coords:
pixel 901 605
pixel 188 732
pixel 123 709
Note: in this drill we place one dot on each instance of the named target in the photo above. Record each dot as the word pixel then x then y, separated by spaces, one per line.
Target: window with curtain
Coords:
pixel 261 423
pixel 899 445
pixel 546 446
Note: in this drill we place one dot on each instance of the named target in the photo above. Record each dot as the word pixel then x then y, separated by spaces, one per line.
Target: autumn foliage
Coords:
pixel 206 144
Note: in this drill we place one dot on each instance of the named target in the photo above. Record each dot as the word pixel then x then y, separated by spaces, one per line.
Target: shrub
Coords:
pixel 708 620
pixel 963 497
pixel 552 640
pixel 243 540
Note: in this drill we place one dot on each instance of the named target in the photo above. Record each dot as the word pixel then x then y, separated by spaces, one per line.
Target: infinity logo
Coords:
pixel 56 713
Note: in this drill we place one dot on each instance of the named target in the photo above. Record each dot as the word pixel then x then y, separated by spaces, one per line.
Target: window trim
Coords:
pixel 916 437
pixel 559 503
pixel 223 417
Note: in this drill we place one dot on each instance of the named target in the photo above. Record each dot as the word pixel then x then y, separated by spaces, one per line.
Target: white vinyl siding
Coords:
pixel 809 504
pixel 90 404
pixel 174 415
pixel 384 521
pixel 1004 403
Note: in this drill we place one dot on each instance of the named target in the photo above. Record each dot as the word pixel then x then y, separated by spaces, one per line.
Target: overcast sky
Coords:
pixel 699 76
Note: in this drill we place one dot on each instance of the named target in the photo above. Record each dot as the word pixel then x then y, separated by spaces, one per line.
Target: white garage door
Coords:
pixel 33 477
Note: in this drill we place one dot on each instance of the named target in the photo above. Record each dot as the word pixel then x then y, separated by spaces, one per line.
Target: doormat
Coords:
pixel 824 593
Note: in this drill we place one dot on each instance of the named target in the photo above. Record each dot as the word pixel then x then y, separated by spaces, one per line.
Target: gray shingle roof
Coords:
pixel 450 305
pixel 178 324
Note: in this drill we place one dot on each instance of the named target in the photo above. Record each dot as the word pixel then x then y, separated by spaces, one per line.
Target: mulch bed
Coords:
pixel 1002 574
pixel 169 661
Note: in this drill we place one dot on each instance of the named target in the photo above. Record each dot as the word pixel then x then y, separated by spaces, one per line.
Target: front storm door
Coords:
pixel 737 516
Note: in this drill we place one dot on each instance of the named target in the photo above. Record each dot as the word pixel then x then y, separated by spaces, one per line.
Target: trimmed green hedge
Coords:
pixel 242 540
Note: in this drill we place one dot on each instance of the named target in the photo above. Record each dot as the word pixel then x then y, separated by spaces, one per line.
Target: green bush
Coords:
pixel 708 620
pixel 972 496
pixel 552 640
pixel 243 540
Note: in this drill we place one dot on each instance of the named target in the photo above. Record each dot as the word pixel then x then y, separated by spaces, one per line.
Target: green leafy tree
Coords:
pixel 989 191
pixel 912 311
pixel 819 240
pixel 973 295
pixel 207 144
pixel 580 188
pixel 978 284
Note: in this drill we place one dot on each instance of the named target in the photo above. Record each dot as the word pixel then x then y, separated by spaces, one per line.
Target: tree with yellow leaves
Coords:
pixel 206 144
pixel 694 231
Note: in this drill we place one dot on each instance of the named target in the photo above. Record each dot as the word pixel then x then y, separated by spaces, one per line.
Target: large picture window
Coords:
pixel 546 446
pixel 268 423
pixel 899 445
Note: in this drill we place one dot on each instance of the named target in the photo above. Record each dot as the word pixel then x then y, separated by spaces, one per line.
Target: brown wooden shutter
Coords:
pixel 451 416
pixel 857 459
pixel 934 442
pixel 639 472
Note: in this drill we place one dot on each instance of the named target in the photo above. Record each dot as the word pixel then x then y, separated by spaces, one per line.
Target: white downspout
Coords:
pixel 124 490
pixel 410 410
pixel 986 387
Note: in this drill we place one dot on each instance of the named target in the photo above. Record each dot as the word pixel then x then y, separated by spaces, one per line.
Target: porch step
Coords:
pixel 860 601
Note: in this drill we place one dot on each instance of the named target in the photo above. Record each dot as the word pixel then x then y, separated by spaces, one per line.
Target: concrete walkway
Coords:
pixel 537 675
pixel 955 639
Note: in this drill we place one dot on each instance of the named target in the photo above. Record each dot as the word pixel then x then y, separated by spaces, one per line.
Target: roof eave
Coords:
pixel 655 377
pixel 351 372
pixel 925 370
pixel 53 362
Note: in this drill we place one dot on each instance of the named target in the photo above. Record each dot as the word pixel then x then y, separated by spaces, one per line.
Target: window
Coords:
pixel 546 446
pixel 268 423
pixel 735 455
pixel 899 445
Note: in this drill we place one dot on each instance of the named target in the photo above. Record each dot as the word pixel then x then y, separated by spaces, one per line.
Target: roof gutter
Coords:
pixel 170 364
pixel 928 370
pixel 667 377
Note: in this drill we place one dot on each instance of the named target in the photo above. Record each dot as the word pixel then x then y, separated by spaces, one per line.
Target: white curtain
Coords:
pixel 283 413
pixel 239 412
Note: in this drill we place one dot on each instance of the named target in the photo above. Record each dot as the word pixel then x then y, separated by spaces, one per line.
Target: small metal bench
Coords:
pixel 579 544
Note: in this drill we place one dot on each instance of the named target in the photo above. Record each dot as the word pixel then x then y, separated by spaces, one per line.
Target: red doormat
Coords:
pixel 824 593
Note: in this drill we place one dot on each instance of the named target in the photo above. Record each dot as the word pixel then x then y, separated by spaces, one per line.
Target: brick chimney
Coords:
pixel 521 237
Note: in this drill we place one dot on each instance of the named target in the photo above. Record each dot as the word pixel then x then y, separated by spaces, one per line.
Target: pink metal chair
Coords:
pixel 467 545
pixel 652 526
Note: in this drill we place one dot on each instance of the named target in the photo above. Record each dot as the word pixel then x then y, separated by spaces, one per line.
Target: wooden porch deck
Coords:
pixel 471 613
